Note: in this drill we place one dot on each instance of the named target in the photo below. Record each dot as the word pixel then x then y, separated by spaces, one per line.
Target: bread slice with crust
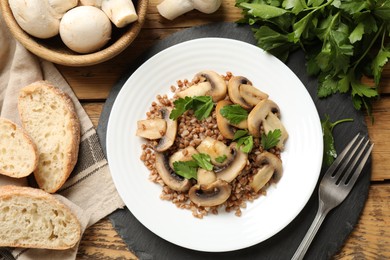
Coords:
pixel 33 218
pixel 18 153
pixel 49 116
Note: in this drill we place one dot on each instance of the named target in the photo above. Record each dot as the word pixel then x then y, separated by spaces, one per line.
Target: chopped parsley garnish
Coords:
pixel 201 105
pixel 244 140
pixel 270 139
pixel 234 113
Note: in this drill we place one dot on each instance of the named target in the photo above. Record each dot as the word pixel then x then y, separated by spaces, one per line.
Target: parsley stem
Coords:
pixel 369 47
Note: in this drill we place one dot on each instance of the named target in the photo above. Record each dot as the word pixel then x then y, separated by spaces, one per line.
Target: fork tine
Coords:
pixel 341 156
pixel 340 171
pixel 359 169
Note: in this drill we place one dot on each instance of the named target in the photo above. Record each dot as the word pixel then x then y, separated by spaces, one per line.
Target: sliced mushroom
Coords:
pixel 271 166
pixel 218 86
pixel 214 149
pixel 224 126
pixel 169 177
pixel 235 167
pixel 242 92
pixel 266 114
pixel 182 155
pixel 200 89
pixel 170 134
pixel 151 129
pixel 213 194
pixel 206 177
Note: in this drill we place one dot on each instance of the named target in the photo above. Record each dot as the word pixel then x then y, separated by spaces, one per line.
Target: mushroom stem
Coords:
pixel 171 9
pixel 120 12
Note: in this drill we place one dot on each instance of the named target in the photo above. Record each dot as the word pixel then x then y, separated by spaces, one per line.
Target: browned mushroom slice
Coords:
pixel 151 129
pixel 205 177
pixel 224 126
pixel 215 149
pixel 213 194
pixel 182 155
pixel 169 177
pixel 271 166
pixel 235 166
pixel 242 92
pixel 169 138
pixel 266 113
pixel 218 86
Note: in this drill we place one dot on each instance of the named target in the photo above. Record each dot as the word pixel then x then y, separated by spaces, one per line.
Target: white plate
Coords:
pixel 264 217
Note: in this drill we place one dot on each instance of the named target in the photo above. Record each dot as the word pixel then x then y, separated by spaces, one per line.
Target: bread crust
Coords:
pixel 27 141
pixel 10 192
pixel 73 128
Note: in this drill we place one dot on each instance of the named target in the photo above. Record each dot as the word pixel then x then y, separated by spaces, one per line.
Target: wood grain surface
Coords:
pixel 370 238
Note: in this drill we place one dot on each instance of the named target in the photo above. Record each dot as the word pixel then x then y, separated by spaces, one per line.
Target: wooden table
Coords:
pixel 371 237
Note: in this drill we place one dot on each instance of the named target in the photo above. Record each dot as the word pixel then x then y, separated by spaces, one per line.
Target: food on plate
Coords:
pixel 18 153
pixel 85 29
pixel 216 143
pixel 84 26
pixel 33 218
pixel 171 9
pixel 48 115
pixel 40 18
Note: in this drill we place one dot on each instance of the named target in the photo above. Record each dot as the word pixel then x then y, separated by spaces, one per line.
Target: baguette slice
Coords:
pixel 18 153
pixel 49 116
pixel 33 218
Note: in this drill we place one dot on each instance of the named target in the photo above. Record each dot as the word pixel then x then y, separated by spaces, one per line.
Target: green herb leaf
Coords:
pixel 221 159
pixel 271 139
pixel 244 141
pixel 186 169
pixel 201 105
pixel 330 152
pixel 234 113
pixel 203 161
pixel 379 61
pixel 262 10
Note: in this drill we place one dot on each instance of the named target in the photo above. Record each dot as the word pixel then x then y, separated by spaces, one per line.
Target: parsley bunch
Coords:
pixel 343 40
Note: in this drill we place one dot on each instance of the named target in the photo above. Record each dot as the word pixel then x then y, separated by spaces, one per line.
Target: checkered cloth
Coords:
pixel 89 191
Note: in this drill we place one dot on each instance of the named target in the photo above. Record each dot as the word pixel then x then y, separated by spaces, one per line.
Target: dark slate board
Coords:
pixel 336 227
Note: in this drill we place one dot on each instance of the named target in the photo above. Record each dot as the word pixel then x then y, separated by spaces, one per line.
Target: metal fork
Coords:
pixel 336 185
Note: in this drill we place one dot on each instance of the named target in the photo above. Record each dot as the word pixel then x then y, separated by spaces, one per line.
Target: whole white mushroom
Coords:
pixel 40 18
pixel 85 29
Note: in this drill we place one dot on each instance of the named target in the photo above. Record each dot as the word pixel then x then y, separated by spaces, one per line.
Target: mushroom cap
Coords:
pixel 170 134
pixel 271 166
pixel 259 114
pixel 35 18
pixel 214 149
pixel 85 29
pixel 218 86
pixel 169 177
pixel 223 124
pixel 234 91
pixel 251 95
pixel 151 128
pixel 182 155
pixel 213 194
pixel 207 6
pixel 231 171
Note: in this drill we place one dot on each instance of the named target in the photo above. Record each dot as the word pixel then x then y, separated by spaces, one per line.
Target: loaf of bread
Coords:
pixel 49 117
pixel 18 153
pixel 33 218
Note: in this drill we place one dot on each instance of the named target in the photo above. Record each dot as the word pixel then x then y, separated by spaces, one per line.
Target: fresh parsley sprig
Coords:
pixel 188 169
pixel 234 113
pixel 343 40
pixel 271 139
pixel 244 140
pixel 201 105
pixel 330 152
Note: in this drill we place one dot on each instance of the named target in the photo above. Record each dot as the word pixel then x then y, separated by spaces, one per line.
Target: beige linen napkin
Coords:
pixel 89 191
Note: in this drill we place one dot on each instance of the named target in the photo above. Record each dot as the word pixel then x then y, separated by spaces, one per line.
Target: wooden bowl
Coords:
pixel 54 49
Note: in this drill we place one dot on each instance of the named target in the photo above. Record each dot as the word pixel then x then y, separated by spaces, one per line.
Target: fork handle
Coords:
pixel 311 232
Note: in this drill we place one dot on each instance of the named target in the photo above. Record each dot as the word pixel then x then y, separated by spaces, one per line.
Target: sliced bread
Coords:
pixel 18 153
pixel 33 218
pixel 49 116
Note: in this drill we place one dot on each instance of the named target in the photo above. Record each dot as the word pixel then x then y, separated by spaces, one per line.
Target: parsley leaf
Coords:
pixel 201 105
pixel 186 169
pixel 329 150
pixel 244 140
pixel 221 159
pixel 338 36
pixel 270 139
pixel 234 113
pixel 203 161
